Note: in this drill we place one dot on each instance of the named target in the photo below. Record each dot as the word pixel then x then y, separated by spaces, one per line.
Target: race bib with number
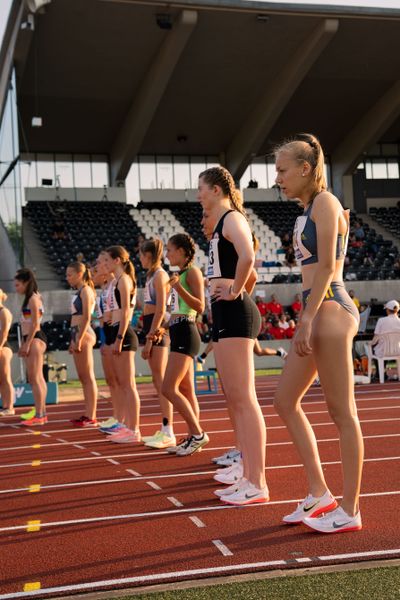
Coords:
pixel 174 302
pixel 214 268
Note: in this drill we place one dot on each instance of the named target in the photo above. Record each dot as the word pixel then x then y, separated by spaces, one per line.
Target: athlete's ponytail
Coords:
pixel 155 248
pixel 221 177
pixel 305 147
pixel 121 253
pixel 80 267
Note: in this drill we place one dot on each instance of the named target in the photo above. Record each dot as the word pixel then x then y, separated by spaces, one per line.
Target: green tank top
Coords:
pixel 178 305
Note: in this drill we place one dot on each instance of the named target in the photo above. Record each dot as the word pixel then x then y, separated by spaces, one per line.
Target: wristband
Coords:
pixel 120 337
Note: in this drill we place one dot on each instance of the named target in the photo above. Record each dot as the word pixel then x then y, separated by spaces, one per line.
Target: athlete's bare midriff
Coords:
pixel 216 282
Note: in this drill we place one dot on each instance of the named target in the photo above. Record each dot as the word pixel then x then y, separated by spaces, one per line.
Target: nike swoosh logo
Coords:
pixel 251 496
pixel 338 525
pixel 221 330
pixel 306 509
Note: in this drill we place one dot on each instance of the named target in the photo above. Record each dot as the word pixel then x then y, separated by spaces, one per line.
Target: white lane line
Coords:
pixel 134 473
pixel 78 446
pixel 304 403
pixel 198 522
pixel 153 485
pixel 46 435
pixel 174 511
pixel 62 441
pixel 113 462
pixel 222 548
pixel 190 573
pixel 174 501
pixel 213 449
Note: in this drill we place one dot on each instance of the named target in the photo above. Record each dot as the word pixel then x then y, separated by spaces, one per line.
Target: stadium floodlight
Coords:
pixel 35 5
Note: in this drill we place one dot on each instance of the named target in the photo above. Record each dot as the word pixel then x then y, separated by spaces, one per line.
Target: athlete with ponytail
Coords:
pixel 34 342
pixel 156 351
pixel 328 322
pixel 122 341
pixel 6 386
pixel 236 323
pixel 83 338
pixel 187 299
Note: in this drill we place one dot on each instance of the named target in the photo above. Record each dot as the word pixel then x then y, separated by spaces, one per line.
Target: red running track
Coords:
pixel 79 513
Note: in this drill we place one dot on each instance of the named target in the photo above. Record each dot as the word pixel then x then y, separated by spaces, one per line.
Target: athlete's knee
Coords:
pixel 341 415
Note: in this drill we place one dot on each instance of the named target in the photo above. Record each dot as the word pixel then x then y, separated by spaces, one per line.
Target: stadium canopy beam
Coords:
pixel 7 50
pixel 368 130
pixel 144 106
pixel 255 129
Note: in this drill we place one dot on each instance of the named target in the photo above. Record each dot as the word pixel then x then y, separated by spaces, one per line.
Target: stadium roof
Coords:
pixel 228 77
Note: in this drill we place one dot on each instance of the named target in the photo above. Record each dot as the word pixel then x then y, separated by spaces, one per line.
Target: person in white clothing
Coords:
pixel 385 325
pixel 389 324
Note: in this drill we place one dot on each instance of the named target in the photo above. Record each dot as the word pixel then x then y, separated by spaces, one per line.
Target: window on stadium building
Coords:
pixel 381 168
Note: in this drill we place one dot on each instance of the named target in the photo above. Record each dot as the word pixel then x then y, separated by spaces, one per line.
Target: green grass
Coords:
pixel 75 383
pixel 369 584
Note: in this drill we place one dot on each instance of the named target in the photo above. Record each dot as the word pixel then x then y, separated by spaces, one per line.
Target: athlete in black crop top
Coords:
pixel 6 386
pixel 236 323
pixel 324 337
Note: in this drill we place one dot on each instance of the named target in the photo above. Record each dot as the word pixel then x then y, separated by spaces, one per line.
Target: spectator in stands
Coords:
pixel 83 338
pixel 396 267
pixel 261 305
pixel 354 242
pixel 283 321
pixel 274 306
pixel 359 233
pixel 253 183
pixel 265 329
pixel 286 241
pixel 384 326
pixel 324 337
pixel 80 257
pixel 296 306
pixel 6 354
pixel 290 257
pixel 291 330
pixel 276 330
pixel 139 242
pixel 355 299
pixel 59 232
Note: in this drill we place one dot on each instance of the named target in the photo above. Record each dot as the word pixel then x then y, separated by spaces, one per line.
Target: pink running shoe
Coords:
pixel 132 436
pixel 34 421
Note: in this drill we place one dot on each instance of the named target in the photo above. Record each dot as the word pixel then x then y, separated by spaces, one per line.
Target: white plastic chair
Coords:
pixel 391 351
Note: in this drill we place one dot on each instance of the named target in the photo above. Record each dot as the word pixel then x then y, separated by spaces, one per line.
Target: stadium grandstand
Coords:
pixel 102 139
pixel 109 110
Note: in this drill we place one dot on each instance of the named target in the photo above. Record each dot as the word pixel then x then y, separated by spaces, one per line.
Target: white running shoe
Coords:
pixel 227 458
pixel 337 521
pixel 232 474
pixel 247 494
pixel 129 438
pixel 311 507
pixel 226 491
pixel 193 444
pixel 6 412
pixel 161 441
pixel 226 470
pixel 283 352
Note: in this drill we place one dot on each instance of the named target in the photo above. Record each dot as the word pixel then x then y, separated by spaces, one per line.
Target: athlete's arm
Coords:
pixel 251 282
pixel 5 322
pixel 160 286
pixel 237 230
pixel 87 299
pixel 34 305
pixel 326 212
pixel 194 298
pixel 124 290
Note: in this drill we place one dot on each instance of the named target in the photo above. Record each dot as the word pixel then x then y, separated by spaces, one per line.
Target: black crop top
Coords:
pixel 117 297
pixel 222 256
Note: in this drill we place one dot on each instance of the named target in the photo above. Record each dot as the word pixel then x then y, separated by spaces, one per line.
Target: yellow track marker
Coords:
pixel 33 526
pixel 35 487
pixel 30 587
pixel 36 463
pixel 36 432
pixel 36 446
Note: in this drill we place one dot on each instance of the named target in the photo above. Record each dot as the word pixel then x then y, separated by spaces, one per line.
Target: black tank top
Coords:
pixel 222 256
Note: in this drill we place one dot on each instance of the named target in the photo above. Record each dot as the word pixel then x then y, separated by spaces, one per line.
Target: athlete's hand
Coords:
pixel 117 347
pixel 23 352
pixel 78 346
pixel 146 352
pixel 102 349
pixel 223 291
pixel 302 338
pixel 71 348
pixel 173 280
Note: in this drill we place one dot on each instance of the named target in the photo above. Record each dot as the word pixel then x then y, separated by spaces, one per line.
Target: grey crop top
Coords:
pixel 149 290
pixel 305 239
